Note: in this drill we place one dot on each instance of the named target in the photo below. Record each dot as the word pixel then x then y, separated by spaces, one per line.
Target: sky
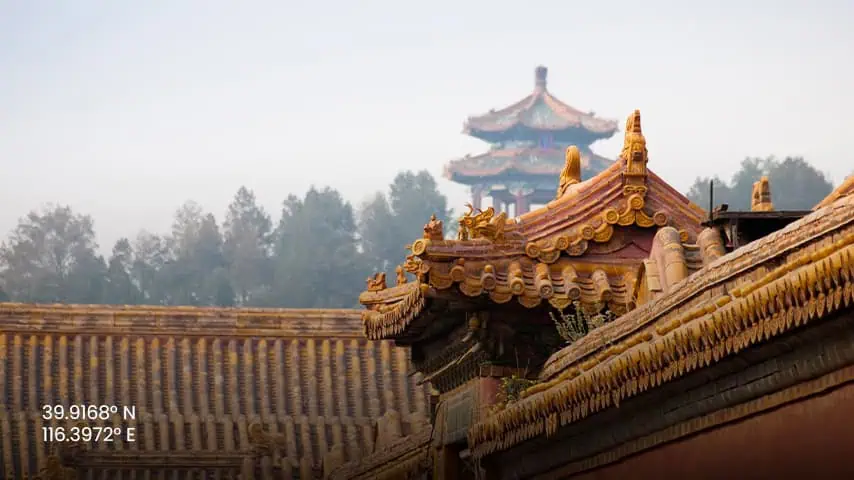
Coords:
pixel 126 109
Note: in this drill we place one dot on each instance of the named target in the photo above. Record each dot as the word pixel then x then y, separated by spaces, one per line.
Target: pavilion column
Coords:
pixel 521 195
pixel 477 196
pixel 521 204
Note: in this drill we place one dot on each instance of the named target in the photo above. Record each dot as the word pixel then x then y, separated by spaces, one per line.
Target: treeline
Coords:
pixel 795 185
pixel 318 254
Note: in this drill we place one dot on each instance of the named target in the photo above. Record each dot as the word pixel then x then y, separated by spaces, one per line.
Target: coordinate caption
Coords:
pixel 81 432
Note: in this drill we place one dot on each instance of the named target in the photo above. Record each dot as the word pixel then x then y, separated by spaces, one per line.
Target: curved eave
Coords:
pixel 390 311
pixel 494 133
pixel 509 162
pixel 509 170
pixel 572 124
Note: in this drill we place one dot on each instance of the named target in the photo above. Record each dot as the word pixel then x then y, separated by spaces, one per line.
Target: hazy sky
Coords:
pixel 125 109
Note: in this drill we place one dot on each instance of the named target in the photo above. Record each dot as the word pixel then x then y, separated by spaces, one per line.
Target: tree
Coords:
pixel 195 270
pixel 316 260
pixel 246 249
pixel 50 257
pixel 147 271
pixel 120 287
pixel 795 185
pixel 387 224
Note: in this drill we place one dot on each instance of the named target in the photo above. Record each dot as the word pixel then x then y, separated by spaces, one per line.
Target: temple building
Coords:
pixel 610 335
pixel 217 393
pixel 527 142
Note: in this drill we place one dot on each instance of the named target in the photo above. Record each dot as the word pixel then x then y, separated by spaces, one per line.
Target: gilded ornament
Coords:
pixel 376 283
pixel 485 224
pixel 611 216
pixel 413 265
pixel 587 232
pixel 265 442
pixel 571 173
pixel 54 470
pixel 420 246
pixel 635 156
pixel 401 275
pixel 634 189
pixel 434 229
pixel 761 197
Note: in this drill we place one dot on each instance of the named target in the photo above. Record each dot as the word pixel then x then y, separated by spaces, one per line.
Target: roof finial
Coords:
pixel 634 154
pixel 571 173
pixel 540 75
pixel 761 201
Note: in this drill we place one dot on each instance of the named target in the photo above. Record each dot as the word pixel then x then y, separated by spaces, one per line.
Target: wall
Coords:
pixel 808 439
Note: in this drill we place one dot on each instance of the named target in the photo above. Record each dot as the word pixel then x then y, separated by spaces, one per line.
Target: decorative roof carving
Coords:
pixel 265 443
pixel 635 155
pixel 571 173
pixel 760 200
pixel 55 470
pixel 484 224
pixel 376 282
pixel 434 229
pixel 401 276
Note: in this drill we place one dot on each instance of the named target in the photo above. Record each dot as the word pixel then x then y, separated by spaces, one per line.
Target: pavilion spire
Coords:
pixel 540 77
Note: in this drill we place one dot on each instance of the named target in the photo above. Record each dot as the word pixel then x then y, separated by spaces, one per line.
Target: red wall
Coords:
pixel 811 439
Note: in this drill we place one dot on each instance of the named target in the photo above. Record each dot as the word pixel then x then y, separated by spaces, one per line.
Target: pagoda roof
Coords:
pixel 521 161
pixel 540 112
pixel 586 245
pixel 801 273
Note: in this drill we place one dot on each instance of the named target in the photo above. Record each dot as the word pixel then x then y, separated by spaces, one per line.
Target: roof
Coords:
pixel 672 259
pixel 399 459
pixel 585 245
pixel 793 276
pixel 521 162
pixel 844 189
pixel 540 112
pixel 201 377
pixel 186 321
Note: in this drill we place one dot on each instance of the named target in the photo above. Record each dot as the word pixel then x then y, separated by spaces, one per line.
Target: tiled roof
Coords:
pixel 400 459
pixel 796 275
pixel 199 377
pixel 524 161
pixel 540 111
pixel 844 189
pixel 585 245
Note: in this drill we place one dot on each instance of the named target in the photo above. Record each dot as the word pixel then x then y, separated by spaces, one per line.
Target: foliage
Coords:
pixel 795 185
pixel 578 321
pixel 51 257
pixel 316 257
pixel 511 390
pixel 247 247
pixel 388 222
